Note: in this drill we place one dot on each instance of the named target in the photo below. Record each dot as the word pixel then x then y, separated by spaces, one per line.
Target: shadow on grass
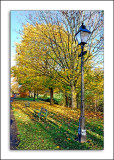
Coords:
pixel 95 128
pixel 64 136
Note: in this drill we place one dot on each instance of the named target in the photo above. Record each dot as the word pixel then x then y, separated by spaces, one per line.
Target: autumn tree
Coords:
pixel 14 85
pixel 27 78
pixel 49 46
pixel 95 88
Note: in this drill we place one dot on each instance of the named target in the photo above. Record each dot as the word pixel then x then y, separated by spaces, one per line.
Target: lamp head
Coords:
pixel 82 35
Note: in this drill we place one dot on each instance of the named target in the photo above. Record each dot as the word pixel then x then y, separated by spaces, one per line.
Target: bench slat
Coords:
pixel 41 113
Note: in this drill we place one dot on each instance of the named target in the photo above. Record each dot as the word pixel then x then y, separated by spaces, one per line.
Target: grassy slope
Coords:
pixel 59 131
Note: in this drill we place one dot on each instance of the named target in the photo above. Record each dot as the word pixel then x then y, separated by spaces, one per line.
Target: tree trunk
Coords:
pixel 70 102
pixel 77 104
pixel 77 101
pixel 37 94
pixel 30 94
pixel 34 96
pixel 66 100
pixel 51 96
pixel 73 96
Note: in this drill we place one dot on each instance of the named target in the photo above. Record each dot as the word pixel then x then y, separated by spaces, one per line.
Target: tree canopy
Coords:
pixel 47 56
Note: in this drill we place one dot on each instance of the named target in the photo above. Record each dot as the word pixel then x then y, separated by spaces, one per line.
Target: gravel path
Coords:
pixel 14 141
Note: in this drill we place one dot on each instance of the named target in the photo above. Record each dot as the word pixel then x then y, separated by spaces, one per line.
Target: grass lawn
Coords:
pixel 59 132
pixel 58 98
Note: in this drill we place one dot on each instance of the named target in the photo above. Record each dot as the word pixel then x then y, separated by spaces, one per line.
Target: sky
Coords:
pixel 17 21
pixel 15 36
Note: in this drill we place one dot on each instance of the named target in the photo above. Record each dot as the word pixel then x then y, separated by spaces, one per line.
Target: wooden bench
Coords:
pixel 41 113
pixel 27 104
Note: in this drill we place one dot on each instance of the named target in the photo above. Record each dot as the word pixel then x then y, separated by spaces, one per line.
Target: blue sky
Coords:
pixel 17 21
pixel 15 36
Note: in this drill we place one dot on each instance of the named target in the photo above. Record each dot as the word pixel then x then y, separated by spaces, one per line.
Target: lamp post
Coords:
pixel 82 36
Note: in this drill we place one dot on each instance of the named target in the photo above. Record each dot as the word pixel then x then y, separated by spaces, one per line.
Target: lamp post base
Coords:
pixel 82 130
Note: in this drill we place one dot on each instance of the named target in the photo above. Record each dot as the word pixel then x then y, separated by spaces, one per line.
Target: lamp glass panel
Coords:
pixel 78 37
pixel 84 36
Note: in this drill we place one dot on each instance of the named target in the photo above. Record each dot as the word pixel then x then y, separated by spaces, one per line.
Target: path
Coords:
pixel 14 141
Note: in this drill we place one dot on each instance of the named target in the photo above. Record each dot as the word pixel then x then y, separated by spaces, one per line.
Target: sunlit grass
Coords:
pixel 59 132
